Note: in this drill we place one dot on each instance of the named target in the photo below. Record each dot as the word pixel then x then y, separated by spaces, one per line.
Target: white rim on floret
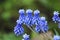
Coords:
pixel 36 11
pixel 21 11
pixel 56 13
pixel 29 11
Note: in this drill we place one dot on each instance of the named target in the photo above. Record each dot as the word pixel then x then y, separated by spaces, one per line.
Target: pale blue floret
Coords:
pixel 26 37
pixel 59 23
pixel 56 37
pixel 56 16
pixel 28 17
pixel 36 17
pixel 18 30
pixel 59 20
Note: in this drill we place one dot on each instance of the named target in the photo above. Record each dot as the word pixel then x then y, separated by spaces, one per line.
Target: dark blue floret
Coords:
pixel 37 28
pixel 18 30
pixel 55 18
pixel 59 20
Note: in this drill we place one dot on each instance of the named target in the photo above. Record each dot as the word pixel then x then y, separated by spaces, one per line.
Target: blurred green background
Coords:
pixel 9 14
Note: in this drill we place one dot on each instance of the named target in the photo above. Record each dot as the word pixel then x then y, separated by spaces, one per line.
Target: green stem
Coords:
pixel 56 32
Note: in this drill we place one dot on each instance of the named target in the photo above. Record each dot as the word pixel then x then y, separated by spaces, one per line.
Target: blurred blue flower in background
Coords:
pixel 26 37
pixel 56 37
pixel 56 16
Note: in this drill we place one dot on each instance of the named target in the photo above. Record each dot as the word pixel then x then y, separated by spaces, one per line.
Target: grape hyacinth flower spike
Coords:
pixel 18 29
pixel 43 24
pixel 36 17
pixel 21 15
pixel 56 18
pixel 35 20
pixel 28 18
pixel 26 37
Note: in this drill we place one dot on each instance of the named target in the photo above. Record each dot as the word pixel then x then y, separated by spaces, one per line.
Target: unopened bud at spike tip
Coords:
pixel 36 12
pixel 29 11
pixel 21 11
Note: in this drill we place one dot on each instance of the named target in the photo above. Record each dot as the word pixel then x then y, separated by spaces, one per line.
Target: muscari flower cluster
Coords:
pixel 27 18
pixel 56 18
pixel 26 37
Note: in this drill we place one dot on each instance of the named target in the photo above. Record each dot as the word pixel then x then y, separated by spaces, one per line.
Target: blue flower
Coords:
pixel 36 17
pixel 59 23
pixel 30 20
pixel 59 20
pixel 26 37
pixel 43 24
pixel 18 30
pixel 28 17
pixel 22 15
pixel 56 16
pixel 56 37
pixel 19 21
pixel 37 28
